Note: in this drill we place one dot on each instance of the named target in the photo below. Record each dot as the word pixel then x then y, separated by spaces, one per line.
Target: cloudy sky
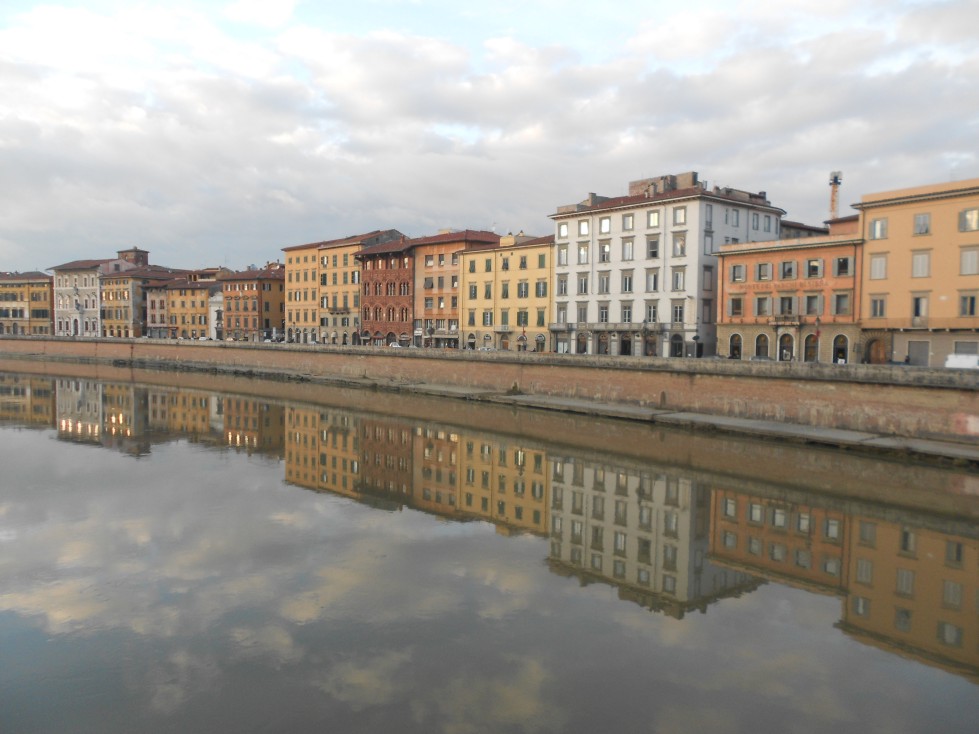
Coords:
pixel 216 133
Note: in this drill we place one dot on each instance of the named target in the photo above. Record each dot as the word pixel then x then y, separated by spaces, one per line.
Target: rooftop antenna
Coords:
pixel 835 179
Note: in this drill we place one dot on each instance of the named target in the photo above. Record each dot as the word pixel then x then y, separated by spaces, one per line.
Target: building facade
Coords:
pixel 506 295
pixel 254 303
pixel 638 274
pixel 921 260
pixel 437 274
pixel 387 295
pixel 26 303
pixel 323 288
pixel 792 300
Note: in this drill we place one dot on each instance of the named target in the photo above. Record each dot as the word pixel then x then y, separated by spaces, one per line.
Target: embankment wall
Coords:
pixel 884 399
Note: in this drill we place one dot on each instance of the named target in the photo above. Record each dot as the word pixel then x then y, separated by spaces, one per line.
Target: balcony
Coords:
pixel 502 328
pixel 785 319
pixel 560 326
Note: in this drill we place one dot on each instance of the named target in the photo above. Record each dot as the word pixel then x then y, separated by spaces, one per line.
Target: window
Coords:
pixel 582 313
pixel 679 215
pixel 842 266
pixel 841 303
pixel 878 307
pixel 762 306
pixel 562 230
pixel 967 304
pixel 583 228
pixel 652 247
pixel 763 271
pixel 787 270
pixel 905 582
pixel 814 268
pixel 603 282
pixel 679 244
pixel 922 224
pixel 754 220
pixel 878 267
pixel 604 252
pixel 523 289
pixel 678 277
pixel 540 289
pixel 865 571
pixel 920 264
pixel 627 284
pixel 652 281
pixel 786 305
pixel 626 313
pixel 604 225
pixel 562 285
pixel 677 313
pixel 730 507
pixel 736 306
pixel 878 229
pixel 952 594
pixel 582 283
pixel 652 219
pixel 737 273
pixel 582 254
pixel 969 261
pixel 756 513
pixel 627 222
pixel 969 220
pixel 603 313
pixel 949 634
pixel 627 249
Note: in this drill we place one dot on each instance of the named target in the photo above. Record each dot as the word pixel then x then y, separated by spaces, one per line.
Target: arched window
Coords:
pixel 734 350
pixel 761 345
pixel 840 349
pixel 811 353
pixel 786 346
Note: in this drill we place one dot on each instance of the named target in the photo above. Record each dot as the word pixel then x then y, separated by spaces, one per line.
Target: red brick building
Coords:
pixel 387 303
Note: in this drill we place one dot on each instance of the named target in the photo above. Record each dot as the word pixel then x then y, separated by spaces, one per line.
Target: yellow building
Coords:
pixel 322 288
pixel 506 484
pixel 26 303
pixel 505 299
pixel 322 450
pixel 254 303
pixel 123 298
pixel 913 589
pixel 921 267
pixel 188 310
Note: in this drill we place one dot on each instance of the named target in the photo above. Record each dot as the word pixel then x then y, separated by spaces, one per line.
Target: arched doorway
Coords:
pixel 539 341
pixel 676 346
pixel 840 349
pixel 603 343
pixel 811 353
pixel 505 343
pixel 649 347
pixel 786 348
pixel 471 342
pixel 761 345
pixel 625 348
pixel 734 350
pixel 581 346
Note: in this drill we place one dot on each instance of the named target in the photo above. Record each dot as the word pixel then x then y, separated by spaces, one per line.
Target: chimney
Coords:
pixel 835 179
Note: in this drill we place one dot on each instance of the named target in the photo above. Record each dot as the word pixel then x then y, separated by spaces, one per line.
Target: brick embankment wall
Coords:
pixel 889 400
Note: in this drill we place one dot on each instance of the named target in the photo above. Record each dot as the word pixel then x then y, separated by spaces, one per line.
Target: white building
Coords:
pixel 78 294
pixel 638 274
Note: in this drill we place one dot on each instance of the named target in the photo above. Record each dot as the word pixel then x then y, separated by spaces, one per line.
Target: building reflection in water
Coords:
pixel 907 582
pixel 668 541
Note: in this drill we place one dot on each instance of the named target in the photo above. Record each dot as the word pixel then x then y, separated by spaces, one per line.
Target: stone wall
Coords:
pixel 891 400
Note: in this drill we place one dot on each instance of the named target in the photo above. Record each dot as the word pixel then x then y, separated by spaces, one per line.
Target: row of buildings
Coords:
pixel 675 268
pixel 663 538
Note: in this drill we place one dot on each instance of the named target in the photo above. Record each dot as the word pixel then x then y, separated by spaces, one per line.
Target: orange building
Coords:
pixel 26 303
pixel 323 288
pixel 913 590
pixel 921 260
pixel 792 300
pixel 437 271
pixel 188 307
pixel 797 543
pixel 254 303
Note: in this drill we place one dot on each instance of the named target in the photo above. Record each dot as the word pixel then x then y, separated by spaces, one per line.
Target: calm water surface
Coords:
pixel 179 561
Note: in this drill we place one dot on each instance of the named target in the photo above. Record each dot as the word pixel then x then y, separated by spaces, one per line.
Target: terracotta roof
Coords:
pixel 260 274
pixel 616 202
pixel 351 240
pixel 465 235
pixel 33 275
pixel 386 248
pixel 82 264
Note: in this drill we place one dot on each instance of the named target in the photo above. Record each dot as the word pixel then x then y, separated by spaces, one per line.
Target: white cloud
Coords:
pixel 206 138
